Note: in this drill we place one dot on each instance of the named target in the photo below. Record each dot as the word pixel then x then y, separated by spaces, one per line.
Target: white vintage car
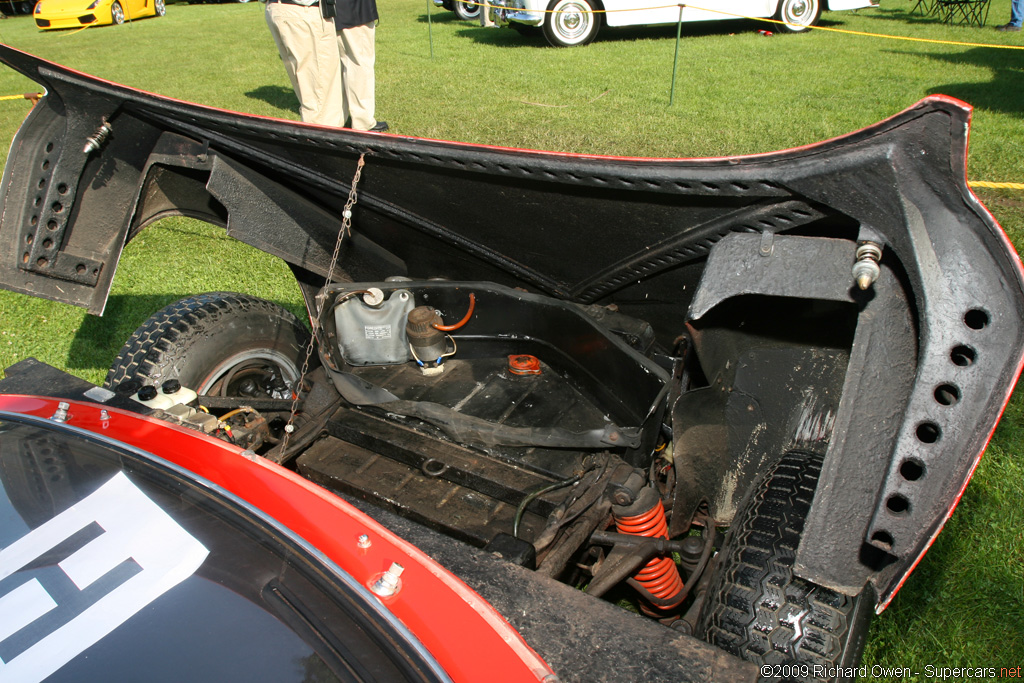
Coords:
pixel 566 23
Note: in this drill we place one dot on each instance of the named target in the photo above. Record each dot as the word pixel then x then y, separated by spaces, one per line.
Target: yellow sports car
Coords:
pixel 51 14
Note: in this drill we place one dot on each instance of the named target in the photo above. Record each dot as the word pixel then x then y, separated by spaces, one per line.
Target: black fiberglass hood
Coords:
pixel 938 338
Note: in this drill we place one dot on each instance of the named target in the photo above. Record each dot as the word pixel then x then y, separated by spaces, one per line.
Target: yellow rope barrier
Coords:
pixel 32 97
pixel 996 186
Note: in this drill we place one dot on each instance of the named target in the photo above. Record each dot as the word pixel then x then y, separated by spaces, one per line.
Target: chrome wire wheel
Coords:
pixel 570 23
pixel 798 15
pixel 467 11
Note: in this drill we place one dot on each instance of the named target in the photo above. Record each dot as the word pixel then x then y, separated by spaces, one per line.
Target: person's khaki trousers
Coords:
pixel 357 59
pixel 308 45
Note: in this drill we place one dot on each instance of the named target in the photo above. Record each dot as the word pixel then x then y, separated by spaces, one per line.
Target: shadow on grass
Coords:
pixel 904 17
pixel 692 29
pixel 99 339
pixel 277 96
pixel 1004 93
pixel 442 17
pixel 502 36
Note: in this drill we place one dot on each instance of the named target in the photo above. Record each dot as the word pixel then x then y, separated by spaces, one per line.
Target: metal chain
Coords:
pixel 346 229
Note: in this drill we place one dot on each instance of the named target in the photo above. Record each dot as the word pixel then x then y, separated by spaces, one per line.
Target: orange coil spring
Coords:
pixel 660 576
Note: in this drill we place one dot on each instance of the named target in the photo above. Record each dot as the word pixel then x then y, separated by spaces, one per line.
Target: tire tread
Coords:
pixel 757 609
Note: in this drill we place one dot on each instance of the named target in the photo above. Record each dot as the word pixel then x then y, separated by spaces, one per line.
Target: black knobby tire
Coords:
pixel 219 343
pixel 756 608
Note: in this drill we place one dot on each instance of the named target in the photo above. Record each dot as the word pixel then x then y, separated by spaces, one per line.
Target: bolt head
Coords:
pixel 388 583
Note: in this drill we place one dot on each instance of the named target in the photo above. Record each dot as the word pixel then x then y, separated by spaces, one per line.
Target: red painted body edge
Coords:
pixel 467 637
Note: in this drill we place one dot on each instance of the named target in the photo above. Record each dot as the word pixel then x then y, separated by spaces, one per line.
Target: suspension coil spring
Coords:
pixel 660 576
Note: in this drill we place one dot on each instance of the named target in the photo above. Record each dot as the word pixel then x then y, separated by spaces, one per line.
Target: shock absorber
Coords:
pixel 660 576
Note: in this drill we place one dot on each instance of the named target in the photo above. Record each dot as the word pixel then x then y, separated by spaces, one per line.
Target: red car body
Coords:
pixel 467 637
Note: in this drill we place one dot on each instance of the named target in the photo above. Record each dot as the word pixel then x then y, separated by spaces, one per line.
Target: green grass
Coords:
pixel 737 92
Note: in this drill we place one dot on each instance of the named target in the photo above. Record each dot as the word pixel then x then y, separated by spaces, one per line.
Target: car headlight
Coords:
pixel 93 5
pixel 39 7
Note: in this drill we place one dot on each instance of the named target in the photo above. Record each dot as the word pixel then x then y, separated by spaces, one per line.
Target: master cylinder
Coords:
pixel 428 343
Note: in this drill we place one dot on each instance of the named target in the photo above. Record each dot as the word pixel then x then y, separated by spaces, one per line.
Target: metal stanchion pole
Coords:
pixel 675 59
pixel 430 28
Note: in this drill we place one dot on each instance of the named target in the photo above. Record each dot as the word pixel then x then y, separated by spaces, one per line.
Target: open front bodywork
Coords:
pixel 715 299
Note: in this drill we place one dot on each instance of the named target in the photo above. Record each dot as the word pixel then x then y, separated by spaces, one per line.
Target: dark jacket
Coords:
pixel 352 13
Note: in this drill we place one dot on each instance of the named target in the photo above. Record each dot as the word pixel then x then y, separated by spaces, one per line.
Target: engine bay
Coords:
pixel 551 433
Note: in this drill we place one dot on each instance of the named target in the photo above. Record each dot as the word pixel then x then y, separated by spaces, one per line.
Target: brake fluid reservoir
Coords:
pixel 171 393
pixel 374 334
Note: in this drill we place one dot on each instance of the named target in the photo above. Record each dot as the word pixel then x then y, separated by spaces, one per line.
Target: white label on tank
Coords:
pixel 134 528
pixel 377 331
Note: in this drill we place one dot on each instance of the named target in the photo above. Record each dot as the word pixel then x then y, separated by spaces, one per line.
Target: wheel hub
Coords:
pixel 798 12
pixel 252 374
pixel 572 21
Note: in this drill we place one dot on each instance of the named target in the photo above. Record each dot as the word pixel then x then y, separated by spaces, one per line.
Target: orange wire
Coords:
pixel 465 319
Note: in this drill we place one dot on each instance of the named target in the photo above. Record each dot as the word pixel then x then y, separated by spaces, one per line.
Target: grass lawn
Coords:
pixel 736 92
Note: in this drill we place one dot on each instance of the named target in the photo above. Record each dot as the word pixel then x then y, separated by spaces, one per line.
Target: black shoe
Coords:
pixel 382 126
pixel 1007 27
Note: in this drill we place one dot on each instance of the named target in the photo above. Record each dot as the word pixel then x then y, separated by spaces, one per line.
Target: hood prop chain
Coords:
pixel 321 297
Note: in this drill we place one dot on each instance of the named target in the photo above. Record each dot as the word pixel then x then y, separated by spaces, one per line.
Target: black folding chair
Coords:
pixel 962 12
